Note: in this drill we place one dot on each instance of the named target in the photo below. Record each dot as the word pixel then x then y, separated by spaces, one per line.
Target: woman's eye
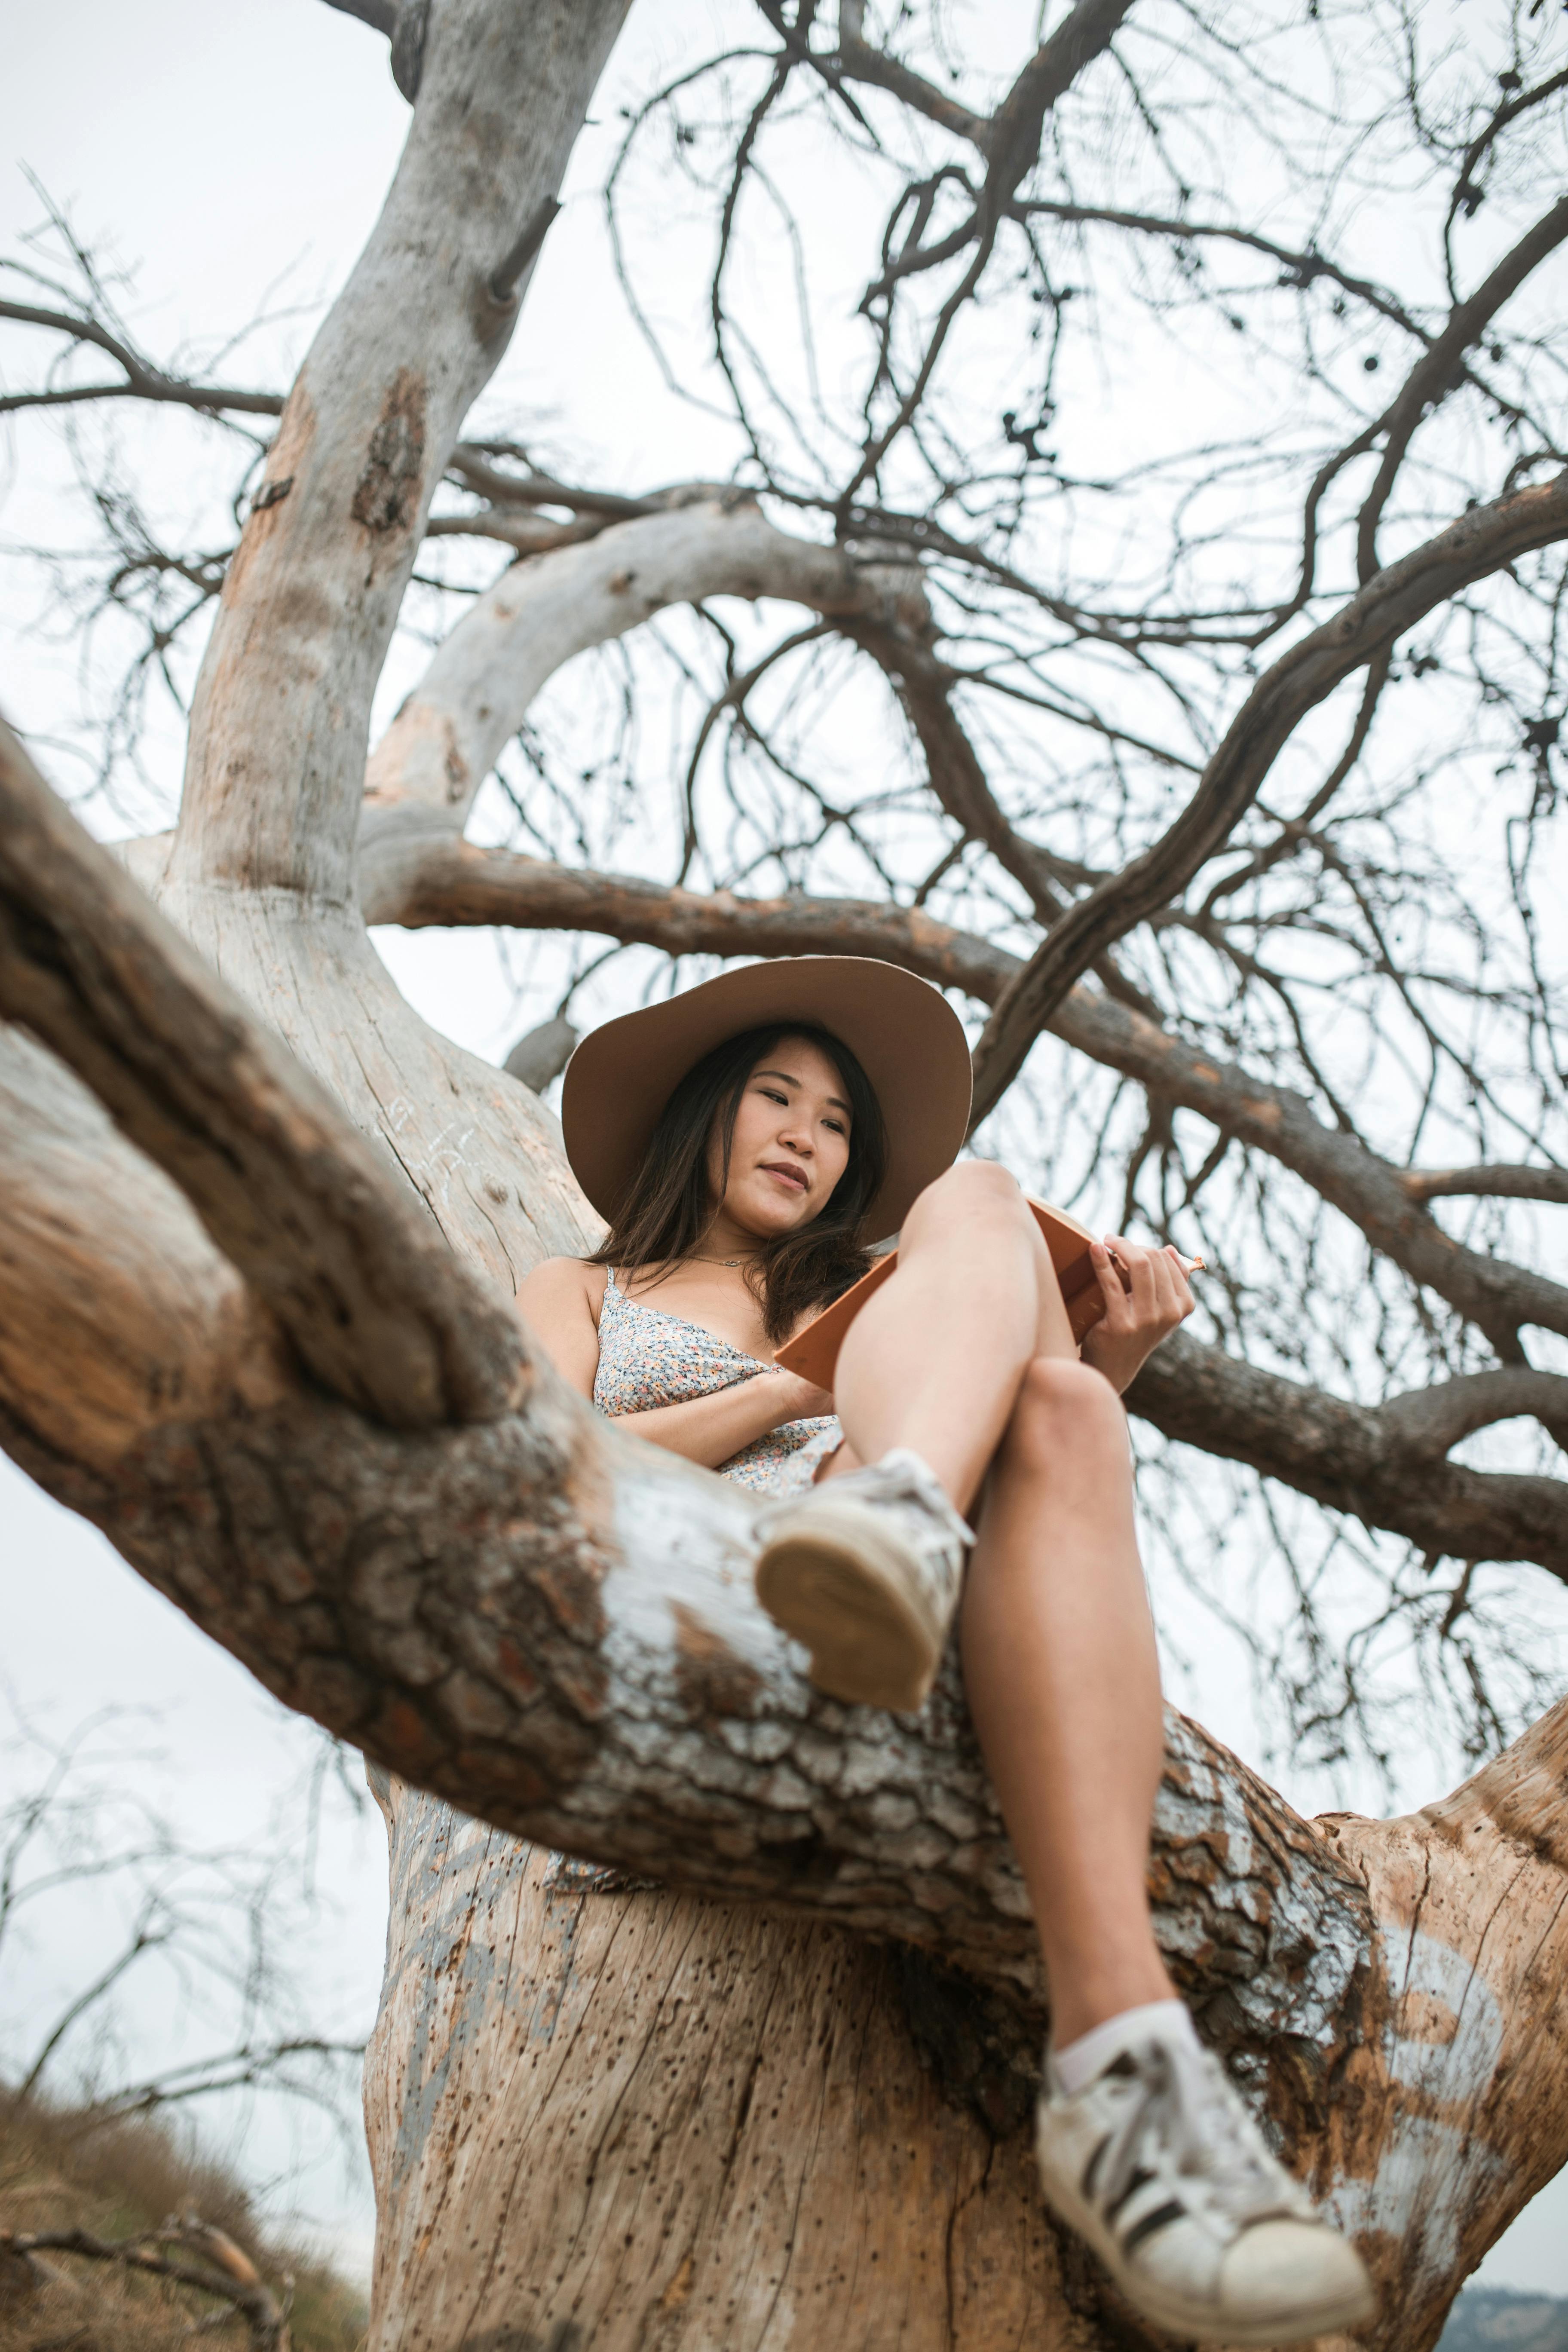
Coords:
pixel 775 1098
pixel 837 1125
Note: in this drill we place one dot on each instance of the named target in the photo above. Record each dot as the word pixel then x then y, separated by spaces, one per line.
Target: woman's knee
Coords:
pixel 971 1189
pixel 1064 1404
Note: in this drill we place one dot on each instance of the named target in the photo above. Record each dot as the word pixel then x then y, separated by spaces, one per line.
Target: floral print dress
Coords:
pixel 648 1358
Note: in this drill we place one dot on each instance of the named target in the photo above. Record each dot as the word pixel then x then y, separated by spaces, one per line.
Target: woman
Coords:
pixel 746 1141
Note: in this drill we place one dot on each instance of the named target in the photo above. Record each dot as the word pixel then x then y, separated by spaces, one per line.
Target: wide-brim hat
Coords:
pixel 902 1032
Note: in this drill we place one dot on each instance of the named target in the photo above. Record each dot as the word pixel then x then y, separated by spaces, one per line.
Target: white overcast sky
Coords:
pixel 214 148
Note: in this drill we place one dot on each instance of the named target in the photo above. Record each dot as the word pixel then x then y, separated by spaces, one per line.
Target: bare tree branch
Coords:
pixel 1300 265
pixel 424 774
pixel 1437 1418
pixel 380 14
pixel 370 428
pixel 535 1614
pixel 233 2278
pixel 142 380
pixel 1479 543
pixel 1499 1181
pixel 858 60
pixel 146 1937
pixel 1433 373
pixel 1381 1465
pixel 1011 142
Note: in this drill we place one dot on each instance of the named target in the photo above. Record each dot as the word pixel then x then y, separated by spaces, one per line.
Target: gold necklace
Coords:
pixel 695 1260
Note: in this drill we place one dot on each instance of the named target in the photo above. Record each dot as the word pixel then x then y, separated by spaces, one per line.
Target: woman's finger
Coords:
pixel 1120 1253
pixel 1140 1266
pixel 1182 1288
pixel 1110 1279
pixel 1167 1294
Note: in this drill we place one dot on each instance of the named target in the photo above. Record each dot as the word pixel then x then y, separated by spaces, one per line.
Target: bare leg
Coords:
pixel 966 1356
pixel 934 1360
pixel 1064 1684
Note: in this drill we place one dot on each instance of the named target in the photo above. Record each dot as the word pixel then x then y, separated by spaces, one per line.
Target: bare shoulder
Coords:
pixel 562 1285
pixel 559 1302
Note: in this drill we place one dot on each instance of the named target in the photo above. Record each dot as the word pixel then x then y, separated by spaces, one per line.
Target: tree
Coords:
pixel 757 2069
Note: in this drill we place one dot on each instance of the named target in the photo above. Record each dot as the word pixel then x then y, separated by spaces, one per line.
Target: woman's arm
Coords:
pixel 709 1429
pixel 557 1301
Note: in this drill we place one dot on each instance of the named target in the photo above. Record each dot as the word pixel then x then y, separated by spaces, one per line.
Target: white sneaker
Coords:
pixel 865 1571
pixel 1159 2166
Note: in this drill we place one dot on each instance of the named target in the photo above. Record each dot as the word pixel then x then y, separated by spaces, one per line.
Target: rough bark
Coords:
pixel 682 2125
pixel 1343 1971
pixel 554 1626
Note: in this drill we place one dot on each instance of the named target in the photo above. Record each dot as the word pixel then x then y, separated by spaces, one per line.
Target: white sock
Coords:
pixel 1076 2066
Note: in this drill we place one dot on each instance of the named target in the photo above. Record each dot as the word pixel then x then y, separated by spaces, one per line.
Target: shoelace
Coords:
pixel 1191 2116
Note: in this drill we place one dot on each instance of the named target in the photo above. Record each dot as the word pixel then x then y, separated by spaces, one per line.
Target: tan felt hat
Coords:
pixel 902 1032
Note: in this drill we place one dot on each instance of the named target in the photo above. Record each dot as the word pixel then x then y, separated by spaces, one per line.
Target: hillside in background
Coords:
pixel 1494 2319
pixel 122 2181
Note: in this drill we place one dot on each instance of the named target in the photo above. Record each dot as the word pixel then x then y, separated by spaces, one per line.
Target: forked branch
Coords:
pixel 227 2273
pixel 293 1194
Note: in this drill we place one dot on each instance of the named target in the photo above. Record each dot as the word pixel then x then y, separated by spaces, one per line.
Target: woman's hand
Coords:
pixel 1137 1318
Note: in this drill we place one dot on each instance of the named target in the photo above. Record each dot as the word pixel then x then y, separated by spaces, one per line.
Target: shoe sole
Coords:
pixel 1192 2322
pixel 837 1585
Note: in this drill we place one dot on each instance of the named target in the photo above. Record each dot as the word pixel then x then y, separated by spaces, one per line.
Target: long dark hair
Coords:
pixel 671 1205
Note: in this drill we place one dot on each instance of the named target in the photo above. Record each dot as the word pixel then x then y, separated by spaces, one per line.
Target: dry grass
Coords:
pixel 57 2170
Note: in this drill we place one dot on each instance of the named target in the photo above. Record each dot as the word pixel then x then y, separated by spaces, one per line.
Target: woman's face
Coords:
pixel 791 1143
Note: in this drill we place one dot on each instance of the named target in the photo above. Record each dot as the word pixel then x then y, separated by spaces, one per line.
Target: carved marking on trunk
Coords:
pixel 388 489
pixel 1427 2183
pixel 1447 2033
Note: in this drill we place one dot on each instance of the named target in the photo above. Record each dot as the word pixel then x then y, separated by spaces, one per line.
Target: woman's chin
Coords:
pixel 770 1220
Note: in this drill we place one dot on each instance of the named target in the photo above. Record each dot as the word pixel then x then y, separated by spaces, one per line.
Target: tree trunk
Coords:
pixel 618 2117
pixel 633 2120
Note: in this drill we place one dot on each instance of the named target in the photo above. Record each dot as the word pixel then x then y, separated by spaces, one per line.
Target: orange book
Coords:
pixel 814 1352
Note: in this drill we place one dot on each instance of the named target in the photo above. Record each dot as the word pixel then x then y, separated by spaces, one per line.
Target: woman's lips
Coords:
pixel 796 1178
